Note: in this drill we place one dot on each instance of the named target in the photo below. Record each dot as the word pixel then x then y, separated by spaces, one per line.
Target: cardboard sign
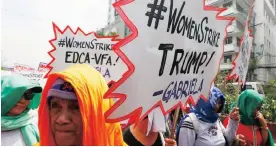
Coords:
pixel 173 55
pixel 80 48
pixel 241 63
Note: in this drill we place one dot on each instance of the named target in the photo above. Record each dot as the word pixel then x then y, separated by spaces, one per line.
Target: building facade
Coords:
pixel 115 23
pixel 239 10
pixel 265 39
pixel 262 23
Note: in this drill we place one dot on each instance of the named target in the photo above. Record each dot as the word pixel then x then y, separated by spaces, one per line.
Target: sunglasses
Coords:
pixel 28 95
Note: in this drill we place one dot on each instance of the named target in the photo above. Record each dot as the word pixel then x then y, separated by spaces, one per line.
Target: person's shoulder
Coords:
pixel 187 123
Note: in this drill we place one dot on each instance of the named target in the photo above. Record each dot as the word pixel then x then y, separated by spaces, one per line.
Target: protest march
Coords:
pixel 160 84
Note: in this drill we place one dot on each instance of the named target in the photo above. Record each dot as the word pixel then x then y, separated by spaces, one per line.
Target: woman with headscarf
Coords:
pixel 252 125
pixel 72 110
pixel 202 126
pixel 18 97
pixel 149 131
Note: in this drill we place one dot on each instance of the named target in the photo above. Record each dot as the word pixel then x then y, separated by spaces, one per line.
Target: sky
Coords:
pixel 26 26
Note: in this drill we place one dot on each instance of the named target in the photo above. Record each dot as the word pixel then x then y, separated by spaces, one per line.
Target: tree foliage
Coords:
pixel 269 106
pixel 230 91
pixel 112 34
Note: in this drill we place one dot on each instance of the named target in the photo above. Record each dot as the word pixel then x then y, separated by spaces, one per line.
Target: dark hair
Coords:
pixel 222 105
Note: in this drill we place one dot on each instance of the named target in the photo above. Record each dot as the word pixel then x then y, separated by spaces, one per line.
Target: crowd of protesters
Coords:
pixel 71 113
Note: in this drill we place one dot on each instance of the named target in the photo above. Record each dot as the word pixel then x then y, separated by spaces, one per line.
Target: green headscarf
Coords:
pixel 248 101
pixel 12 89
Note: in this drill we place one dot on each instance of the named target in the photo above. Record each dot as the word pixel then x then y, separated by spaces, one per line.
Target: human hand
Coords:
pixel 170 142
pixel 261 118
pixel 241 139
pixel 235 114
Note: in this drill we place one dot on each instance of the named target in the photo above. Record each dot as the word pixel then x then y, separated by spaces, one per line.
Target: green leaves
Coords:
pixel 230 91
pixel 269 106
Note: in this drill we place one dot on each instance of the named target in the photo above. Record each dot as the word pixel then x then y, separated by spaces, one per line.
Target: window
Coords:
pixel 249 87
pixel 239 8
pixel 239 25
pixel 227 5
pixel 238 41
pixel 228 40
pixel 115 12
pixel 227 58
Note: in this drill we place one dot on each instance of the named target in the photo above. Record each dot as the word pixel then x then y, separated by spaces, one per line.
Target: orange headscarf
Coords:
pixel 90 87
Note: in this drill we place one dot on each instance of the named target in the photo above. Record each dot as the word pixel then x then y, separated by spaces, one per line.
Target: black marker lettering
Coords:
pixel 176 61
pixel 165 48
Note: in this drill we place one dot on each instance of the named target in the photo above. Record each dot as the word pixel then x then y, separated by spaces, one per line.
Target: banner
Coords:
pixel 29 72
pixel 35 75
pixel 80 48
pixel 22 68
pixel 241 62
pixel 173 55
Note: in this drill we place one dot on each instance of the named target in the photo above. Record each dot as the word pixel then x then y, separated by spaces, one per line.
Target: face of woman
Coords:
pixel 22 104
pixel 19 107
pixel 257 110
pixel 218 106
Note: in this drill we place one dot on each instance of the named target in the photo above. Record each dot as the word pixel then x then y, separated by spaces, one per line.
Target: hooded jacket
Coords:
pixel 248 101
pixel 13 87
pixel 202 126
pixel 90 88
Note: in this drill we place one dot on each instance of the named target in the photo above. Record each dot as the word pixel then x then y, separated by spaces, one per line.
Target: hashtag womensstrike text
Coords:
pixel 70 42
pixel 180 23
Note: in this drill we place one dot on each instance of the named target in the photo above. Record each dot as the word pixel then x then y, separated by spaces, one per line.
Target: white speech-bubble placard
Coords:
pixel 172 55
pixel 241 63
pixel 76 47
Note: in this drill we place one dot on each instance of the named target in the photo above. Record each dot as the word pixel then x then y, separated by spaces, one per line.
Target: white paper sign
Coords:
pixel 173 54
pixel 33 75
pixel 22 68
pixel 241 63
pixel 80 48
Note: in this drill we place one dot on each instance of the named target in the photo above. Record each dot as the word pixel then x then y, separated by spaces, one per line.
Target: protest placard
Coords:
pixel 76 47
pixel 241 62
pixel 33 75
pixel 42 67
pixel 22 68
pixel 173 55
pixel 29 72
